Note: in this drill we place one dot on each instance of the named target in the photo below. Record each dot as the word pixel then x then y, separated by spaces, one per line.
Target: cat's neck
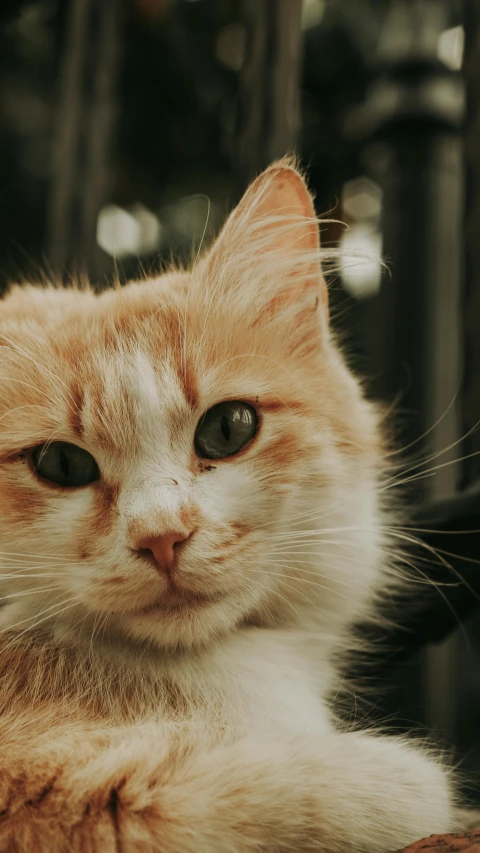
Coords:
pixel 120 683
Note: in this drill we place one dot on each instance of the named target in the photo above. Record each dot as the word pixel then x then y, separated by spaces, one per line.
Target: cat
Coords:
pixel 191 518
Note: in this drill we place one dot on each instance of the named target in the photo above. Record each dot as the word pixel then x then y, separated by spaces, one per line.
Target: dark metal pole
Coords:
pixel 412 118
pixel 471 398
pixel 431 616
pixel 415 109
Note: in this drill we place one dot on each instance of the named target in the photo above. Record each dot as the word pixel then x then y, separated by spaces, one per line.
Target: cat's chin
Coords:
pixel 178 620
pixel 179 601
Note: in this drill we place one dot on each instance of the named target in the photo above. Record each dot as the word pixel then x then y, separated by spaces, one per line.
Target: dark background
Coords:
pixel 128 129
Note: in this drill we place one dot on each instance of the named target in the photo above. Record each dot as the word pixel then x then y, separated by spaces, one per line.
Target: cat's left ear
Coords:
pixel 269 249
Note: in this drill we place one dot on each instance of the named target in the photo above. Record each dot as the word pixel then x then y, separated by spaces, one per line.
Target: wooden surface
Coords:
pixel 466 842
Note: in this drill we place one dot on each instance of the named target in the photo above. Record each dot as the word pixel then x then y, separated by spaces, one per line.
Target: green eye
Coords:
pixel 65 464
pixel 225 429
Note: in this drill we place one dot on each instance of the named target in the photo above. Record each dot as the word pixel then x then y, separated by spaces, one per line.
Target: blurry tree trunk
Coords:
pixel 83 133
pixel 269 84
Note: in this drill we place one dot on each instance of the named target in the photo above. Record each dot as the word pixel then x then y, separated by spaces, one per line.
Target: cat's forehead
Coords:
pixel 129 390
pixel 107 368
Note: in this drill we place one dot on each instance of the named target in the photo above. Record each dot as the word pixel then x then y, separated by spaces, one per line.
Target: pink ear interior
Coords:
pixel 269 246
pixel 281 205
pixel 282 192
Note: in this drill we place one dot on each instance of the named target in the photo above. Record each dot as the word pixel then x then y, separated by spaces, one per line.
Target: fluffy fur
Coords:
pixel 134 721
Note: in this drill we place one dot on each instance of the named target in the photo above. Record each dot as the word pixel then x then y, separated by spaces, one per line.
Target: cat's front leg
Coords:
pixel 345 793
pixel 378 794
pixel 161 789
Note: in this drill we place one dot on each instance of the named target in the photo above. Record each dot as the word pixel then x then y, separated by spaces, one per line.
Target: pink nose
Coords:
pixel 163 548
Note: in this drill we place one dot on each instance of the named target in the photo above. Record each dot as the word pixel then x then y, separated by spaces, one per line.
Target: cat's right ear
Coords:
pixel 267 256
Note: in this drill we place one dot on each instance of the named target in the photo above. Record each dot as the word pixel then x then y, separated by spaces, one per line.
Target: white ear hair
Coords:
pixel 268 252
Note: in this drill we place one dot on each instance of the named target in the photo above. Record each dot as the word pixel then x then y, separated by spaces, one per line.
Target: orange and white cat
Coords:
pixel 190 521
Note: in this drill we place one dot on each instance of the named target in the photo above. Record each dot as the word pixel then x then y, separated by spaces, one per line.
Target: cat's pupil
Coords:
pixel 65 464
pixel 225 427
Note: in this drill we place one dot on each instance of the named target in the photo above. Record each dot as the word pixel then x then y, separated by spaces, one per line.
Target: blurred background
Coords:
pixel 129 128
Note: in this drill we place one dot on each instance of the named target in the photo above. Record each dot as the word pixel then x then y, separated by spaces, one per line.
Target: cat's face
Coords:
pixel 176 520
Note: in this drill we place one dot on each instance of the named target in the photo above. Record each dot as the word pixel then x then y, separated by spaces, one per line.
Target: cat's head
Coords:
pixel 188 453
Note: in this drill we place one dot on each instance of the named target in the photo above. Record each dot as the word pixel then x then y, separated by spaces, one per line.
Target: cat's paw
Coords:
pixel 390 793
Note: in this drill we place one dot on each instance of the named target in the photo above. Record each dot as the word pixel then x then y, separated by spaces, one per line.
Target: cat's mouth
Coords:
pixel 179 599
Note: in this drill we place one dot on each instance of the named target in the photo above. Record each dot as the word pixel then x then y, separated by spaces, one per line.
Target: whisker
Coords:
pixel 30 557
pixel 12 628
pixel 437 455
pixel 31 576
pixel 29 592
pixel 38 364
pixel 275 592
pixel 282 576
pixel 430 429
